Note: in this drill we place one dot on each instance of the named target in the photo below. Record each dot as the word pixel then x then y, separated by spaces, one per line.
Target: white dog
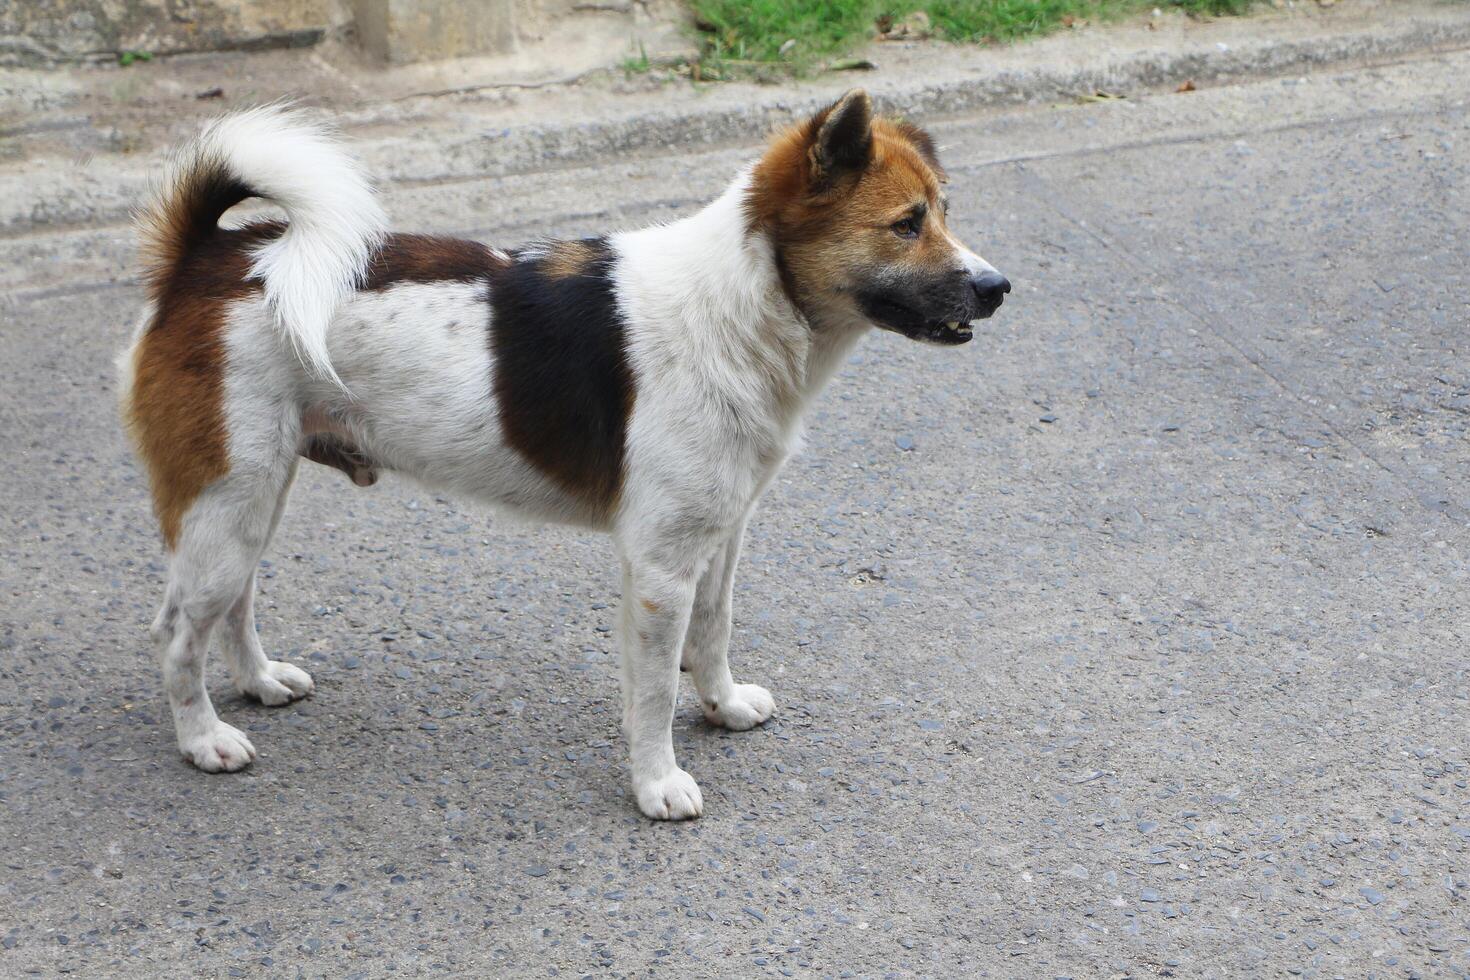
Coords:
pixel 649 384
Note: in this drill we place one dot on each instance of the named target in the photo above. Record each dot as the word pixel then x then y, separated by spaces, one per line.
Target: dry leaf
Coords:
pixel 913 27
pixel 1186 86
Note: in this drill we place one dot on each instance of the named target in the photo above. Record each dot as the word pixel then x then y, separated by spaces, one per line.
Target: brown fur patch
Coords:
pixel 923 144
pixel 170 228
pixel 566 259
pixel 430 258
pixel 826 229
pixel 785 197
pixel 175 412
pixel 650 605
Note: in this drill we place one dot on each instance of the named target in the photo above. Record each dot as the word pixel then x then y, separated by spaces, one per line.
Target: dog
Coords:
pixel 649 384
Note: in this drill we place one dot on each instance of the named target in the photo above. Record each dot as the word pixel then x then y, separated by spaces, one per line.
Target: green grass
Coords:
pixel 641 63
pixel 755 31
pixel 1011 20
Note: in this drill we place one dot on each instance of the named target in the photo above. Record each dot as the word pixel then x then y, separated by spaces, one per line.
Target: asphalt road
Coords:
pixel 1127 640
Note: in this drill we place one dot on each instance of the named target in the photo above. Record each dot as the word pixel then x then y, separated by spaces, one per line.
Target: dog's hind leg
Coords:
pixel 706 648
pixel 271 682
pixel 221 540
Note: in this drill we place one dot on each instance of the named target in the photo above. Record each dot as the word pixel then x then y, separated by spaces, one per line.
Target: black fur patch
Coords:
pixel 561 370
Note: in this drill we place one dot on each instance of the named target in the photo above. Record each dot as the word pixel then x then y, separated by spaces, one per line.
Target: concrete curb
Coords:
pixel 423 150
pixel 531 147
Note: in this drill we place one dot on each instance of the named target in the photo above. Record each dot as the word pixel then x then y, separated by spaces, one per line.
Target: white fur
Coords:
pixel 224 533
pixel 724 364
pixel 124 362
pixel 969 261
pixel 335 222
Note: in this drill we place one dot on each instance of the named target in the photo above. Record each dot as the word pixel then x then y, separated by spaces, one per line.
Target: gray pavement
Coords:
pixel 1126 641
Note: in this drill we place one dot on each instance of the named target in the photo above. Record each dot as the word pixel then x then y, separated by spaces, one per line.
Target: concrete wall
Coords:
pixel 557 32
pixel 40 32
pixel 49 32
pixel 398 31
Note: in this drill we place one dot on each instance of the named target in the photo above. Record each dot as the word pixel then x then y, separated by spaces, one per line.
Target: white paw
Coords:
pixel 281 683
pixel 675 797
pixel 748 706
pixel 219 748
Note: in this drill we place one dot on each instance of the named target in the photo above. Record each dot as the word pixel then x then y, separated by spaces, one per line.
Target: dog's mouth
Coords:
pixel 902 319
pixel 953 331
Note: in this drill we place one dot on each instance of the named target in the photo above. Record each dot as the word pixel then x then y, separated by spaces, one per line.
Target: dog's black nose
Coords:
pixel 990 289
pixel 990 286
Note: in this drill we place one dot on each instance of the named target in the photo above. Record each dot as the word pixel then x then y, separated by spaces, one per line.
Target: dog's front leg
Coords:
pixel 706 648
pixel 653 618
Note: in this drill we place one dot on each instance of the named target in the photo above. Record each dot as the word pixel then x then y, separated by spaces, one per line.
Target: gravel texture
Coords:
pixel 1127 640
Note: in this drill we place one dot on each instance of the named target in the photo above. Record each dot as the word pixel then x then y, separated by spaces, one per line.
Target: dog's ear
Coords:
pixel 844 137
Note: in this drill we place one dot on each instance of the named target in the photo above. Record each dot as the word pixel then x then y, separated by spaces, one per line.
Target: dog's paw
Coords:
pixel 674 797
pixel 280 683
pixel 219 748
pixel 748 706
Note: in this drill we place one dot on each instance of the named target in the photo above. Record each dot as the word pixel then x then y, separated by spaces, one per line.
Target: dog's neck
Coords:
pixel 715 279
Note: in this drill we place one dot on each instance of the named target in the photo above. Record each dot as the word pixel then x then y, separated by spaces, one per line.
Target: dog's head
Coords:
pixel 855 209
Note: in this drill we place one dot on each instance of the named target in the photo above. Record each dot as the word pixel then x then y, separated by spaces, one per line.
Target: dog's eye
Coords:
pixel 908 227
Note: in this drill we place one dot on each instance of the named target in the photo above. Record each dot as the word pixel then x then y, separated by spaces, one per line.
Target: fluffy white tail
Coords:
pixel 334 221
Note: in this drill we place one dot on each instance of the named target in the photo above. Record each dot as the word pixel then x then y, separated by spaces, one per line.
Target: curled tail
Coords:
pixel 334 221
